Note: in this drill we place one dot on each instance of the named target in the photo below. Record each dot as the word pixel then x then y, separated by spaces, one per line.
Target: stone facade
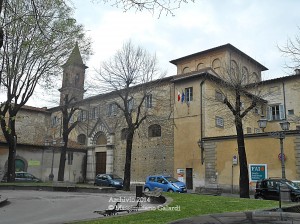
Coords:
pixel 197 139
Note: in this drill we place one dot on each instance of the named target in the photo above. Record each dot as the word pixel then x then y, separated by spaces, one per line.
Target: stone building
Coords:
pixel 189 132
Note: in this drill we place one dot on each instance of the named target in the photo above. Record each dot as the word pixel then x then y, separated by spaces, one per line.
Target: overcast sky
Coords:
pixel 255 27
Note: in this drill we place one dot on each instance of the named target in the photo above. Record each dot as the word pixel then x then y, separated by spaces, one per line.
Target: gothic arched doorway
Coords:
pixel 101 142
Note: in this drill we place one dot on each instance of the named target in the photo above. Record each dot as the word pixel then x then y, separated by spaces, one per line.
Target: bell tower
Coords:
pixel 73 77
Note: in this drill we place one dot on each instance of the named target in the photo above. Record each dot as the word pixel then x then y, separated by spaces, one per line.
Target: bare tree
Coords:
pixel 129 75
pixel 235 94
pixel 67 110
pixel 29 57
pixel 292 50
pixel 160 6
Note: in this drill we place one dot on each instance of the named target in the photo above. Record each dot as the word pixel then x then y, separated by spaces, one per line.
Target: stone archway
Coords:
pixel 21 164
pixel 101 144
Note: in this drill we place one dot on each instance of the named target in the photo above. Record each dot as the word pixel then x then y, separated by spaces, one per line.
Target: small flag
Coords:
pixel 182 97
pixel 178 96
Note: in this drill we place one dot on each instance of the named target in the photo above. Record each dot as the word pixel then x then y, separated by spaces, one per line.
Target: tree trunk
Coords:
pixel 127 169
pixel 11 159
pixel 62 161
pixel 244 176
pixel 11 139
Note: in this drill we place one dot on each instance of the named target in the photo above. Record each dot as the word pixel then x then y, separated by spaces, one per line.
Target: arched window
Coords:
pixel 234 68
pixel 186 70
pixel 124 133
pixel 200 66
pixel 101 139
pixel 254 78
pixel 81 139
pixel 154 131
pixel 216 65
pixel 245 75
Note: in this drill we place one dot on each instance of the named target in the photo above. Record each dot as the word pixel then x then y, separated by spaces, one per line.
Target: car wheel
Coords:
pixel 146 189
pixel 170 191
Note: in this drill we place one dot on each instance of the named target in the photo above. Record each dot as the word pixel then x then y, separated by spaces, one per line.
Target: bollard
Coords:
pixel 138 191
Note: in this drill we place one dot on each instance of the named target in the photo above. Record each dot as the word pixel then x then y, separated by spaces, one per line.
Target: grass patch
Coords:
pixel 190 205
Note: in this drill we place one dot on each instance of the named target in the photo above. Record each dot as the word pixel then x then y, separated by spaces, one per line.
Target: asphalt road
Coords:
pixel 46 207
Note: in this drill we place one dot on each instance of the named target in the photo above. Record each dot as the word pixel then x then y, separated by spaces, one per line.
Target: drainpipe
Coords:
pixel 201 122
pixel 284 102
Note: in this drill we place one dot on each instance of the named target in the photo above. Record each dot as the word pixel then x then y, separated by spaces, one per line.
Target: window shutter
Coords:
pixel 281 112
pixel 269 113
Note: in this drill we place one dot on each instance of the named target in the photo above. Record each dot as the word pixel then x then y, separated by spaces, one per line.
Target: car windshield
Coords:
pixel 113 176
pixel 292 185
pixel 172 179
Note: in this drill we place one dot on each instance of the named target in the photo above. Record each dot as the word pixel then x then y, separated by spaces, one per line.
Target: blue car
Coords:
pixel 109 180
pixel 167 183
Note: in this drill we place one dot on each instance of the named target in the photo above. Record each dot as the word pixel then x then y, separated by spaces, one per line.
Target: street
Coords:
pixel 47 207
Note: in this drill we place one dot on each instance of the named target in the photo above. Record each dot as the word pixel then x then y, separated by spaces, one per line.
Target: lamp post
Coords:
pixel 48 143
pixel 285 125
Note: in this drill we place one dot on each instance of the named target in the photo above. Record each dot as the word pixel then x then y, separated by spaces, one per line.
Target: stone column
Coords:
pixel 109 160
pixel 91 165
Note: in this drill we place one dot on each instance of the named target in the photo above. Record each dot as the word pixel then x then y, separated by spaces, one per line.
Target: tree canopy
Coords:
pixel 38 36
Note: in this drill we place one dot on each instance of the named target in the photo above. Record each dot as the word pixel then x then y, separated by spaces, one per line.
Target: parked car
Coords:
pixel 23 177
pixel 110 180
pixel 167 183
pixel 269 189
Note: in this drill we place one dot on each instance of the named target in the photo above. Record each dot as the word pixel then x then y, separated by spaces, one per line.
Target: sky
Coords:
pixel 256 27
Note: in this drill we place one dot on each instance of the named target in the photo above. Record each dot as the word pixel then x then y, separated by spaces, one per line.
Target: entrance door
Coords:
pixel 189 178
pixel 100 162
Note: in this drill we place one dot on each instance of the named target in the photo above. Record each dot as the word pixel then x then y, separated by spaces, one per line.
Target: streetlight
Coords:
pixel 285 125
pixel 48 143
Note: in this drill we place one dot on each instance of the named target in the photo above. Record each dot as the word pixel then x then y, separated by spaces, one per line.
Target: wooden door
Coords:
pixel 189 178
pixel 100 162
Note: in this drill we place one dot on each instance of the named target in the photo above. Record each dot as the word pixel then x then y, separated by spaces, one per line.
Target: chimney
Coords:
pixel 297 71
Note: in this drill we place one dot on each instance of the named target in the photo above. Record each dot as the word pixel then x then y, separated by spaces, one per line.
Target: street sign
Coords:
pixel 279 156
pixel 257 171
pixel 234 160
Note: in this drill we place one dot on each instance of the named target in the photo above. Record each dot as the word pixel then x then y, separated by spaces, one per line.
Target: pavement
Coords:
pixel 253 217
pixel 62 205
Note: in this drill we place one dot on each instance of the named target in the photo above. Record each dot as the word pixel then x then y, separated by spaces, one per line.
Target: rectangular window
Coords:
pixel 189 94
pixel 54 121
pixel 219 122
pixel 148 101
pixel 93 113
pixel 130 104
pixel 82 116
pixel 276 112
pixel 249 130
pixel 290 112
pixel 112 109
